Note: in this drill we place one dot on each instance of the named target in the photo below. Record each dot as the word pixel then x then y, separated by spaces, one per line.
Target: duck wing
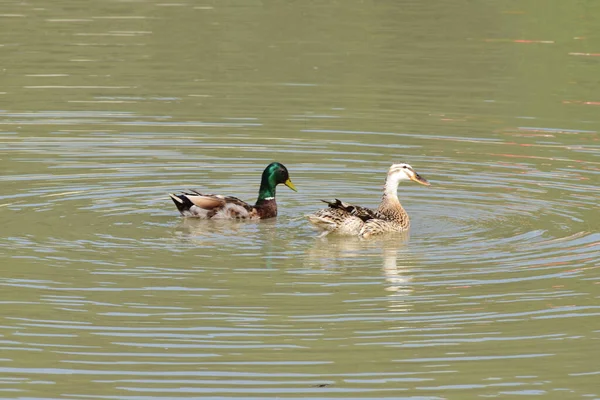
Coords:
pixel 363 213
pixel 208 206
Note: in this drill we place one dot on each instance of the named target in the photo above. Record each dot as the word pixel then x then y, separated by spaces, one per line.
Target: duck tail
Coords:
pixel 182 203
pixel 340 205
pixel 332 204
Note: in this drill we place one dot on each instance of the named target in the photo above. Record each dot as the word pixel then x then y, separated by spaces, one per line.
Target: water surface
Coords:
pixel 109 294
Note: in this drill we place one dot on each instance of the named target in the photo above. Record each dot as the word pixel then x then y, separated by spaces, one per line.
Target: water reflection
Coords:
pixel 202 231
pixel 260 241
pixel 333 252
pixel 397 276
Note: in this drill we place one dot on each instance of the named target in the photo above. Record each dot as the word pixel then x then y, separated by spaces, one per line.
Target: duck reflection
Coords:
pixel 224 234
pixel 195 227
pixel 335 252
pixel 258 239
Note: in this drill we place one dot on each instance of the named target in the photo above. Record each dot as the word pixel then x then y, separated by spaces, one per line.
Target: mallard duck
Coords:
pixel 347 219
pixel 214 206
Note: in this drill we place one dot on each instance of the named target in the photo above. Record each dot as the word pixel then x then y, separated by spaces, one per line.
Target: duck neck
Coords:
pixel 390 204
pixel 266 193
pixel 266 206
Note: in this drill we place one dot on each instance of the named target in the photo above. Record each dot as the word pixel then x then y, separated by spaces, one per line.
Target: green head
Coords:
pixel 273 175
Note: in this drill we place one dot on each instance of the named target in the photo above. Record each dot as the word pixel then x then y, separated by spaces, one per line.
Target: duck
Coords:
pixel 347 219
pixel 213 206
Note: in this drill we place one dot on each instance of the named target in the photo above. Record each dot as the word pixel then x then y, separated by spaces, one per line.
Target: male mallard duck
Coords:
pixel 215 206
pixel 390 216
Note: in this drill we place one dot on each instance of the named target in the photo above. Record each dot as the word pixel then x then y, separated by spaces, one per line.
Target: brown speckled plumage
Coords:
pixel 347 219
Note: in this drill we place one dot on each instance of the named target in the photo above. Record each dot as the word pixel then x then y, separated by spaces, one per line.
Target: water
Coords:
pixel 108 294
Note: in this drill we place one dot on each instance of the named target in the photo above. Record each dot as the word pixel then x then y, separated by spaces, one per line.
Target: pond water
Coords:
pixel 107 293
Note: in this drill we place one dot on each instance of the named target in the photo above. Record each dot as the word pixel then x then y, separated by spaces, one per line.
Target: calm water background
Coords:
pixel 107 106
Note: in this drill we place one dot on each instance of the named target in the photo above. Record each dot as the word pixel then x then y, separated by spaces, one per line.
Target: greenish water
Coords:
pixel 107 293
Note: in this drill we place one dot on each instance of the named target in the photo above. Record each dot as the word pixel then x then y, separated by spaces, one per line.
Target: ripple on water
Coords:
pixel 117 292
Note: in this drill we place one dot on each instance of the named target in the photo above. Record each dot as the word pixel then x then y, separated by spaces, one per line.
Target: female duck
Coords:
pixel 214 206
pixel 347 219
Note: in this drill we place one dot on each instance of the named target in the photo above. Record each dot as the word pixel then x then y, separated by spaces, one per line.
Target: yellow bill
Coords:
pixel 289 184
